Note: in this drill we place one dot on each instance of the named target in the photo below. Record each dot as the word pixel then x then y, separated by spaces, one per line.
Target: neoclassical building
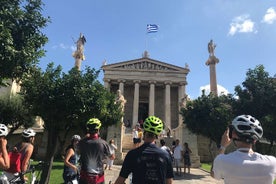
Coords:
pixel 150 87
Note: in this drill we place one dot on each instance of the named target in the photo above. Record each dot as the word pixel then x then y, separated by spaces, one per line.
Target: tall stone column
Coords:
pixel 107 84
pixel 181 100
pixel 135 103
pixel 121 86
pixel 152 97
pixel 168 104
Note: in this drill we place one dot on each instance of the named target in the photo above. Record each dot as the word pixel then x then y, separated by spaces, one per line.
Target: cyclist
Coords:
pixel 243 165
pixel 93 151
pixel 4 158
pixel 71 159
pixel 148 163
pixel 25 148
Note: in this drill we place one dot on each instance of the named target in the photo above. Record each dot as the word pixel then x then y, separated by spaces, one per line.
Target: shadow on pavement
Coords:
pixel 189 177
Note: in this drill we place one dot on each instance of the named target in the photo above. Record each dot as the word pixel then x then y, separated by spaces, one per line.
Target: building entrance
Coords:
pixel 143 111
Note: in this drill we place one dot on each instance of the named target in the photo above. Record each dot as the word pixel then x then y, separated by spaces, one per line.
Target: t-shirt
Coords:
pixel 92 153
pixel 148 165
pixel 177 152
pixel 242 168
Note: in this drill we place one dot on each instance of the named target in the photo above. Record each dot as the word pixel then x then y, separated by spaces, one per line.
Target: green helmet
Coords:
pixel 93 124
pixel 153 124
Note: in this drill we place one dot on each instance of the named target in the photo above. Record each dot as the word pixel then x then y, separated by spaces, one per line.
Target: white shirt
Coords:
pixel 177 152
pixel 244 168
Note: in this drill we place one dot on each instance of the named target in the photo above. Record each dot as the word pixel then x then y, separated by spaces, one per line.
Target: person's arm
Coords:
pixel 169 181
pixel 120 180
pixel 225 141
pixel 4 158
pixel 69 153
pixel 26 159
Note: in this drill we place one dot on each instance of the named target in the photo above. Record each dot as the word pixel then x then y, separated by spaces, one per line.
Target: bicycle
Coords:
pixel 18 178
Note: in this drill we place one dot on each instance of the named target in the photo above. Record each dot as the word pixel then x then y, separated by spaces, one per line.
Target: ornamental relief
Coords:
pixel 145 66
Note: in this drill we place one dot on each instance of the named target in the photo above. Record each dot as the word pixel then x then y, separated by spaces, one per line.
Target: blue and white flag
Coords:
pixel 152 28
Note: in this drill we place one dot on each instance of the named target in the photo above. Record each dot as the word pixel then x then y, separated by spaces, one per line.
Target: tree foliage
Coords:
pixel 66 100
pixel 257 97
pixel 21 38
pixel 208 115
pixel 14 113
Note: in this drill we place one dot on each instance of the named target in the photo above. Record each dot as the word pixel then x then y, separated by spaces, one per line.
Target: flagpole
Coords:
pixel 146 42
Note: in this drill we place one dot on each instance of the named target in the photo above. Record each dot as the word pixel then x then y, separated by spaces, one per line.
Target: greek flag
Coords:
pixel 152 28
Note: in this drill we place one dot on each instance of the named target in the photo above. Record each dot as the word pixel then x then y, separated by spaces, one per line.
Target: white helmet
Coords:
pixel 76 137
pixel 3 130
pixel 28 133
pixel 247 127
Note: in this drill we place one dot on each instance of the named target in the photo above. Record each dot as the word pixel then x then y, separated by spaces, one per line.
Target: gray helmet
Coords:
pixel 28 133
pixel 3 130
pixel 247 127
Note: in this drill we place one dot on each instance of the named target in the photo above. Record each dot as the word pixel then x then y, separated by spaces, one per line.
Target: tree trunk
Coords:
pixel 51 150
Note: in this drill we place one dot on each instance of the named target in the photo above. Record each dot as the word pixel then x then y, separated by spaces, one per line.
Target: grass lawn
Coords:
pixel 56 172
pixel 207 167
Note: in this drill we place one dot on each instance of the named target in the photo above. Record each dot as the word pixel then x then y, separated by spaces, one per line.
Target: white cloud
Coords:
pixel 221 90
pixel 241 24
pixel 63 46
pixel 270 16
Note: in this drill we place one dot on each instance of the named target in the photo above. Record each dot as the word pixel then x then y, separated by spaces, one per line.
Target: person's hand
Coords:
pixel 225 139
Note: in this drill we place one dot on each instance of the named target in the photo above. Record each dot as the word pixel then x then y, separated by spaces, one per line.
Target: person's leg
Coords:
pixel 110 164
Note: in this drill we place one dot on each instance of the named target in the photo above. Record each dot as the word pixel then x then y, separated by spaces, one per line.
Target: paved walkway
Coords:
pixel 197 176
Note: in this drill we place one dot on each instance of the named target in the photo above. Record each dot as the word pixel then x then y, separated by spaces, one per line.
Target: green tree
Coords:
pixel 14 113
pixel 65 100
pixel 21 38
pixel 208 116
pixel 257 97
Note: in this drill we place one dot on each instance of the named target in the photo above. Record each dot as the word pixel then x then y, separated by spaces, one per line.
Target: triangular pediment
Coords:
pixel 143 64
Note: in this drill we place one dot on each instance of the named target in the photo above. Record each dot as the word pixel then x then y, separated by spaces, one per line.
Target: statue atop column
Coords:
pixel 78 54
pixel 211 48
pixel 120 100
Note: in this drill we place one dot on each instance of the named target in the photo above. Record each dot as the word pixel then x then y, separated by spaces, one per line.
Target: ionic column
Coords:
pixel 181 99
pixel 107 84
pixel 121 86
pixel 151 98
pixel 135 103
pixel 168 104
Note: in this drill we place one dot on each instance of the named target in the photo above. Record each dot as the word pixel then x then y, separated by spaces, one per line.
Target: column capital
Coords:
pixel 106 80
pixel 183 83
pixel 136 81
pixel 121 80
pixel 168 82
pixel 152 82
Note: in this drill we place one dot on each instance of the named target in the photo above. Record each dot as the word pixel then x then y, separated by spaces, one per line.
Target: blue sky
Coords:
pixel 244 32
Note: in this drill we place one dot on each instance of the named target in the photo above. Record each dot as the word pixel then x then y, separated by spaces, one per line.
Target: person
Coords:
pixel 187 158
pixel 177 155
pixel 93 150
pixel 25 148
pixel 148 163
pixel 135 137
pixel 140 136
pixel 243 165
pixel 166 148
pixel 112 148
pixel 4 157
pixel 70 169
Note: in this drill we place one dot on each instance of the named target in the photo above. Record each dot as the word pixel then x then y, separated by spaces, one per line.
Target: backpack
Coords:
pixel 15 162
